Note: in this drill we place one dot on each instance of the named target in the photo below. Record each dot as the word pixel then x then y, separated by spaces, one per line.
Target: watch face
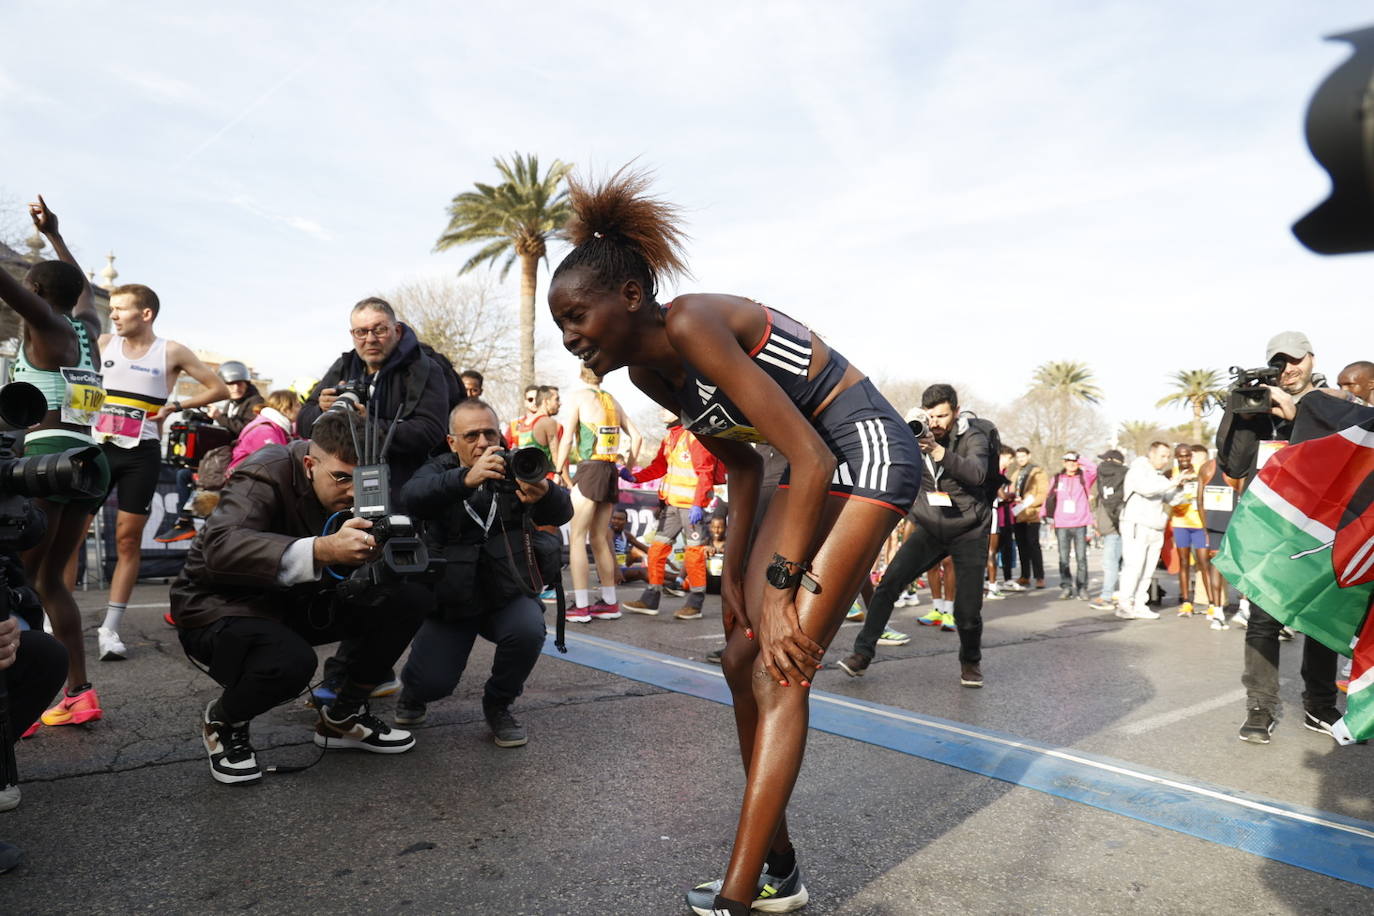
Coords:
pixel 778 576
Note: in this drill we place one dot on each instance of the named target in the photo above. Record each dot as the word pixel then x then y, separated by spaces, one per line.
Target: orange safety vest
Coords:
pixel 679 487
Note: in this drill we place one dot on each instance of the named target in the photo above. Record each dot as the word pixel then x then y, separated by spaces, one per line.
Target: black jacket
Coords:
pixel 478 577
pixel 240 413
pixel 962 474
pixel 1109 492
pixel 1238 439
pixel 232 568
pixel 410 388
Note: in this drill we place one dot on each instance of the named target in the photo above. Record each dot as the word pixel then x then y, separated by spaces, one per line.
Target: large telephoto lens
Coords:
pixel 70 473
pixel 21 405
pixel 529 464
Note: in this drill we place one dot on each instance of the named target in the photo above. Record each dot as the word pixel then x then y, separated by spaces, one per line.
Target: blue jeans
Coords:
pixel 1077 539
pixel 1111 564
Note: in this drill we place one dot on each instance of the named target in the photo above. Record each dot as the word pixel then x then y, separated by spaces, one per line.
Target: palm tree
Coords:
pixel 515 218
pixel 1067 377
pixel 1136 435
pixel 1195 388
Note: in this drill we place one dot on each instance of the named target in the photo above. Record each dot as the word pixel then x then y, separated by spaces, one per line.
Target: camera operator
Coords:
pixel 402 383
pixel 480 519
pixel 952 516
pixel 244 398
pixel 258 591
pixel 1244 443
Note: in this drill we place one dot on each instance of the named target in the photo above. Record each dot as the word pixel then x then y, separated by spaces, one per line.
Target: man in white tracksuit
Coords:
pixel 1148 496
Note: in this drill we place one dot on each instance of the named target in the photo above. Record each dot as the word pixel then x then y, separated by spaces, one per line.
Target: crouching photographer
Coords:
pixel 260 589
pixel 481 505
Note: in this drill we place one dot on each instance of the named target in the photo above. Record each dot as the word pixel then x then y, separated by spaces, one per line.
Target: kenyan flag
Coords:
pixel 1301 546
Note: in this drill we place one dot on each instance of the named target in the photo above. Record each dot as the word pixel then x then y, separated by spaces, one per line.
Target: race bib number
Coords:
pixel 120 425
pixel 1267 449
pixel 607 441
pixel 85 396
pixel 715 565
pixel 939 498
pixel 1218 499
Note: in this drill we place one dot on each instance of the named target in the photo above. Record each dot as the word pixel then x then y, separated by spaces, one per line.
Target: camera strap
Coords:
pixel 491 515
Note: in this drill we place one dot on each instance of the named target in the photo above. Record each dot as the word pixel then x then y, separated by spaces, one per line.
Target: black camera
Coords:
pixel 73 472
pixel 1248 394
pixel 351 395
pixel 528 464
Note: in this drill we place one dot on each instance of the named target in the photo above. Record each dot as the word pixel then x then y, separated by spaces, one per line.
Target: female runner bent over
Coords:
pixel 738 372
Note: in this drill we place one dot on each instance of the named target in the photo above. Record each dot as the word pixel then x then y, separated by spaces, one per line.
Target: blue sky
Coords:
pixel 951 192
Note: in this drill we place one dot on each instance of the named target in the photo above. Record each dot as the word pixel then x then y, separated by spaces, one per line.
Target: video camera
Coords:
pixel 192 436
pixel 68 473
pixel 918 421
pixel 403 555
pixel 1248 394
pixel 528 464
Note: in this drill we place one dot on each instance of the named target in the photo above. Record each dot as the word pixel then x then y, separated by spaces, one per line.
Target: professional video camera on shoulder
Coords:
pixel 72 473
pixel 401 554
pixel 1249 392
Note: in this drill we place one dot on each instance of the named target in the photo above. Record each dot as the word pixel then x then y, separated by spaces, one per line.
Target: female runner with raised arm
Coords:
pixel 737 371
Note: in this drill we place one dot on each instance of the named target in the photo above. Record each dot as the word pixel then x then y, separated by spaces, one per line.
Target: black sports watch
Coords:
pixel 783 574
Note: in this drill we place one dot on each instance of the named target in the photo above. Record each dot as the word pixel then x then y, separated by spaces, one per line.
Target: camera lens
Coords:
pixel 70 473
pixel 529 464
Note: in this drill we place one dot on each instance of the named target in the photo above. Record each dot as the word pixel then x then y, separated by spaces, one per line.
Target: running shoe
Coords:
pixel 386 689
pixel 409 712
pixel 9 797
pixel 111 646
pixel 33 729
pixel 1259 725
pixel 933 619
pixel 893 637
pixel 361 731
pixel 167 619
pixel 1011 585
pixel 921 583
pixel 75 710
pixel 1185 609
pixel 1217 617
pixel 970 675
pixel 183 529
pixel 506 730
pixel 579 615
pixel 1322 720
pixel 947 623
pixel 603 611
pixel 232 760
pixel 548 595
pixel 856 612
pixel 1102 604
pixel 1242 616
pixel 774 894
pixel 1143 613
pixel 855 665
pixel 993 593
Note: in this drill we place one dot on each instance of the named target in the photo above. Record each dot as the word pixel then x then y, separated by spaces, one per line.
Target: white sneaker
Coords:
pixel 1011 585
pixel 111 647
pixel 901 601
pixel 9 798
pixel 1144 613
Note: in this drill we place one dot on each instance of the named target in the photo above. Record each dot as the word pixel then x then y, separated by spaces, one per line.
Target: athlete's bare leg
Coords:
pixel 46 568
pixel 771 720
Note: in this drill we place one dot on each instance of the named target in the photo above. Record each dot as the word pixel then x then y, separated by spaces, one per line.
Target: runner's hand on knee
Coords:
pixel 789 655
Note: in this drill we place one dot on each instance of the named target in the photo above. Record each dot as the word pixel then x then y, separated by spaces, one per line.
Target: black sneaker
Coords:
pixel 409 712
pixel 855 665
pixel 232 761
pixel 506 730
pixel 970 675
pixel 361 731
pixel 1259 725
pixel 1322 720
pixel 182 529
pixel 774 894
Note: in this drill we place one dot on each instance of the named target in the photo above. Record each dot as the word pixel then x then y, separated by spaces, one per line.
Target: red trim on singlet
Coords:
pixel 767 331
pixel 866 499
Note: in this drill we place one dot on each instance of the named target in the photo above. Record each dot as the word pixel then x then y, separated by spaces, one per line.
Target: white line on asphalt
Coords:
pixel 978 735
pixel 1150 723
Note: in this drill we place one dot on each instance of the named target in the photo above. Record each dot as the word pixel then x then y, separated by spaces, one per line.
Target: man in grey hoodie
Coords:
pixel 1143 517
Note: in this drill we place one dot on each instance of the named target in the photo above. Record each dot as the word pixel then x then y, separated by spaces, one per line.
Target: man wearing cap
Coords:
pixel 1068 509
pixel 1244 444
pixel 1108 495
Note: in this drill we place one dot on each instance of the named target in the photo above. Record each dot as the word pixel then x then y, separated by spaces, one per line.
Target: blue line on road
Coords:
pixel 1319 841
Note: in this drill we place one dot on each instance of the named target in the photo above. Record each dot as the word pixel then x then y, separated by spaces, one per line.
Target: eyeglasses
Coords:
pixel 380 332
pixel 341 476
pixel 476 434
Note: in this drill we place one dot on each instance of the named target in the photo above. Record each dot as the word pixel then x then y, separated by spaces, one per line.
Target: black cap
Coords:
pixel 1111 454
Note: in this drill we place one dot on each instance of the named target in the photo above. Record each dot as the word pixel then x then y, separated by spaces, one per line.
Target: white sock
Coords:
pixel 114 614
pixel 581 597
pixel 608 595
pixel 949 606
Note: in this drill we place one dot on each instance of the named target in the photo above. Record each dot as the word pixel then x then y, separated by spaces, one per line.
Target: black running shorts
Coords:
pixel 133 475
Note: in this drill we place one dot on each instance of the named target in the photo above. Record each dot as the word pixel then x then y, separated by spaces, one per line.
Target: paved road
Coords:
pixel 1101 731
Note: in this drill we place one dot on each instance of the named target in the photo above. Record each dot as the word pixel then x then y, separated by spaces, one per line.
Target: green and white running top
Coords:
pixel 76 391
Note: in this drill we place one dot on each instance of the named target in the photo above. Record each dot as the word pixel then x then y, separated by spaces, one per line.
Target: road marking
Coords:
pixel 1319 841
pixel 1150 723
